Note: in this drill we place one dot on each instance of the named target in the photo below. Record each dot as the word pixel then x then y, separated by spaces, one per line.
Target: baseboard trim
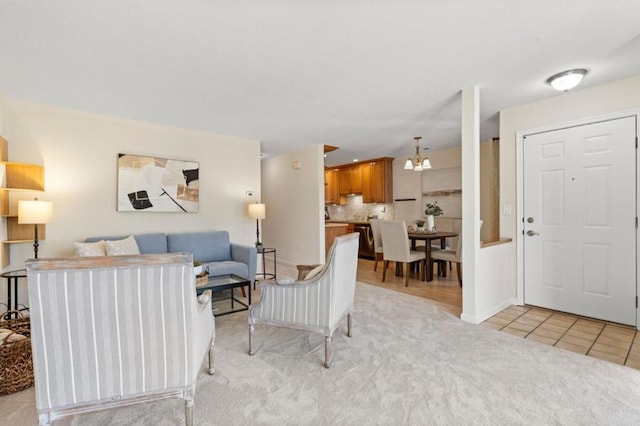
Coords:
pixel 477 319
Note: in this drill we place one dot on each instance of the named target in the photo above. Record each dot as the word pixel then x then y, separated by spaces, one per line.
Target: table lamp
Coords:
pixel 34 213
pixel 257 212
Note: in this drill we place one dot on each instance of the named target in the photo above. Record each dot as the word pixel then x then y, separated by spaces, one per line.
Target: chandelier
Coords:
pixel 417 163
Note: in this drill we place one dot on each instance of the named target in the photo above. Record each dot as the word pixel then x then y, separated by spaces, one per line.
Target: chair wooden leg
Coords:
pixel 459 271
pixel 252 349
pixel 405 270
pixel 375 264
pixel 443 267
pixel 44 419
pixel 385 265
pixel 349 315
pixel 188 407
pixel 328 351
pixel 211 358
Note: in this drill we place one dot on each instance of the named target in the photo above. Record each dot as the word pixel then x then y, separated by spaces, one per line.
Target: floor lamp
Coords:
pixel 34 213
pixel 257 212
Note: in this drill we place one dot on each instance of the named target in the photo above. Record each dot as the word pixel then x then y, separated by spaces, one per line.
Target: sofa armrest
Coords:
pixel 247 255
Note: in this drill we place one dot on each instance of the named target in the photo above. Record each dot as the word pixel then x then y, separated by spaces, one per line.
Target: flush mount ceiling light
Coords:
pixel 566 80
pixel 417 163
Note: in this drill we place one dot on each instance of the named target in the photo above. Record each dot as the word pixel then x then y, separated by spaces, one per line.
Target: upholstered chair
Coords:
pixel 395 241
pixel 317 304
pixel 116 330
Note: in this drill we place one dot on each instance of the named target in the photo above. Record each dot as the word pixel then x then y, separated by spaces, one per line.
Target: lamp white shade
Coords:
pixel 256 211
pixel 408 165
pixel 34 212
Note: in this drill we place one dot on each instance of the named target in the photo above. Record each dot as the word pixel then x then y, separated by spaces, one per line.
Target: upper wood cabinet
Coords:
pixel 351 179
pixel 331 189
pixel 372 178
pixel 377 181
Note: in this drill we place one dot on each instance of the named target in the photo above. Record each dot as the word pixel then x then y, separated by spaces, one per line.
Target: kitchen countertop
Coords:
pixel 354 222
pixel 335 224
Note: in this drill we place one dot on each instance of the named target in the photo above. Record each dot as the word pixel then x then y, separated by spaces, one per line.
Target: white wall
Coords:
pixel 446 173
pixel 294 200
pixel 2 103
pixel 473 287
pixel 407 184
pixel 620 95
pixel 596 101
pixel 79 152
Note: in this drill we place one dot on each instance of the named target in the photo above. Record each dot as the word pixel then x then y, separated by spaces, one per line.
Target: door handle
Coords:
pixel 531 233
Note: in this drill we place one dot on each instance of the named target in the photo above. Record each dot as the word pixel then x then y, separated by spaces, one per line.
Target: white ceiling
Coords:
pixel 366 76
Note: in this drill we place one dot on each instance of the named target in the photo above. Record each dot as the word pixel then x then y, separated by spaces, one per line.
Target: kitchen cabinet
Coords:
pixel 350 179
pixel 331 186
pixel 371 178
pixel 331 231
pixel 377 181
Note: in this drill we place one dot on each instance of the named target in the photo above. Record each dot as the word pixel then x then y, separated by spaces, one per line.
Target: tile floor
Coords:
pixel 599 339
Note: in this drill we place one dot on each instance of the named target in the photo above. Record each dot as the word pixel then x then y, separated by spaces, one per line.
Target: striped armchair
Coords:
pixel 317 304
pixel 112 331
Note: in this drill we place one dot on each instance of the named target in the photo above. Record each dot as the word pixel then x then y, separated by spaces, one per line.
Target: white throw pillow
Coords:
pixel 122 247
pixel 90 249
pixel 315 271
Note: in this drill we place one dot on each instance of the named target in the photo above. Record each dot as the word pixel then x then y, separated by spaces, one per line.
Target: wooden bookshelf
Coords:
pixel 17 177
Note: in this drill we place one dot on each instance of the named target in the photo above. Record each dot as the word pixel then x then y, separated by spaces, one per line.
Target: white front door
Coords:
pixel 580 220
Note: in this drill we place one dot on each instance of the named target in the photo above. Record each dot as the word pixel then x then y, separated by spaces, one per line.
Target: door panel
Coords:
pixel 579 206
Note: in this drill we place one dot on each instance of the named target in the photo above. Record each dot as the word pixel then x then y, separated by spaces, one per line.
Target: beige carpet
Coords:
pixel 408 362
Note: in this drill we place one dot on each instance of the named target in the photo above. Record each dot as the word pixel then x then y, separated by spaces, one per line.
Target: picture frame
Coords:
pixel 155 184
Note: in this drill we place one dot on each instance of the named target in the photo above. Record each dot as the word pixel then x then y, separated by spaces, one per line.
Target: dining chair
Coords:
pixel 450 255
pixel 448 224
pixel 395 241
pixel 377 241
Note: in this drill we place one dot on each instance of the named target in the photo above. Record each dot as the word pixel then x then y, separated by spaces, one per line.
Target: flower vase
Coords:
pixel 430 223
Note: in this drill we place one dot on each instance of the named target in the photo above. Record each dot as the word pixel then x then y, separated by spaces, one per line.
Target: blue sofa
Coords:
pixel 212 248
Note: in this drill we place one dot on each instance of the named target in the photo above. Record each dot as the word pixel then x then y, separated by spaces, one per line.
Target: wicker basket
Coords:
pixel 16 365
pixel 202 279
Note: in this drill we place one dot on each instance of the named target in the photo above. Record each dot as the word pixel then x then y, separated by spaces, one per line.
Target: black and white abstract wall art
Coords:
pixel 151 184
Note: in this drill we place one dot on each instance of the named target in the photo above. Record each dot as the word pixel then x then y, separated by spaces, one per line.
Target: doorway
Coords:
pixel 579 219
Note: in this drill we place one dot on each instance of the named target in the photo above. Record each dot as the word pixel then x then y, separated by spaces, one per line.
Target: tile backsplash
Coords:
pixel 356 210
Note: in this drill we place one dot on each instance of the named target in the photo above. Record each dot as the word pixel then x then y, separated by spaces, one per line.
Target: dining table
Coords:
pixel 427 237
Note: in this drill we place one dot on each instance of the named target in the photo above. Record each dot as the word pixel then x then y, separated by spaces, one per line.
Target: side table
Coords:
pixel 12 278
pixel 264 251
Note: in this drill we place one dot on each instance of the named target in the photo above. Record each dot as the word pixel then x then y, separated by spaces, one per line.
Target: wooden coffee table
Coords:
pixel 226 282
